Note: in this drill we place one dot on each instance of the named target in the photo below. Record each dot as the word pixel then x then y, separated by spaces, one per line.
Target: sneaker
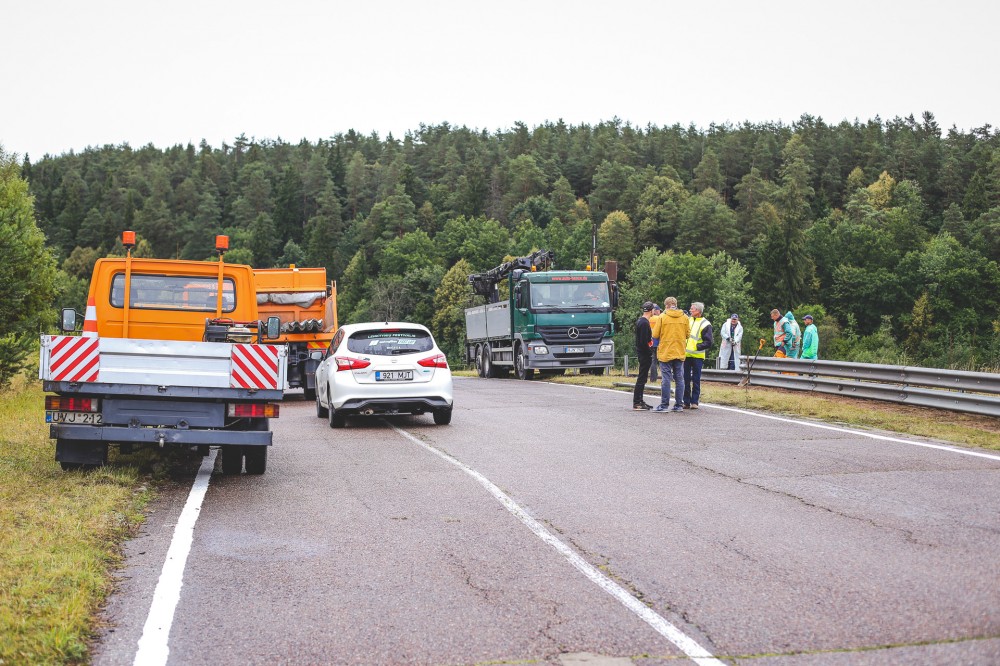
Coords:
pixel 677 409
pixel 659 408
pixel 694 405
pixel 641 407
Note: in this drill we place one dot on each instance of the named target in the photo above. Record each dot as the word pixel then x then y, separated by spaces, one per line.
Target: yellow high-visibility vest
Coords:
pixel 694 339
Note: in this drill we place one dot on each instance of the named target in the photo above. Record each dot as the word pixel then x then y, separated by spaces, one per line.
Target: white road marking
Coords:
pixel 153 645
pixel 822 426
pixel 688 645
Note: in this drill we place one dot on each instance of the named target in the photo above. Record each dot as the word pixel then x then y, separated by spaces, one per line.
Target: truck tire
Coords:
pixel 519 364
pixel 337 419
pixel 442 416
pixel 232 460
pixel 489 370
pixel 592 371
pixel 256 459
pixel 479 362
pixel 321 411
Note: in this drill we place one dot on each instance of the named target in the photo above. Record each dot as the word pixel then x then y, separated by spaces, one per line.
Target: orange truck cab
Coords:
pixel 168 299
pixel 306 306
pixel 171 353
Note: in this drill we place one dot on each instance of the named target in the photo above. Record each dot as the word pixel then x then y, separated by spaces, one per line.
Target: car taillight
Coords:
pixel 253 410
pixel 345 363
pixel 437 361
pixel 56 403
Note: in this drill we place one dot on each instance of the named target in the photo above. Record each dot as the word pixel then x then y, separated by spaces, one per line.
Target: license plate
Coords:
pixel 574 350
pixel 393 375
pixel 88 418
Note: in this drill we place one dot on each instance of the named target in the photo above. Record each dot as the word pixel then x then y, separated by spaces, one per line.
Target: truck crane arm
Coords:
pixel 486 283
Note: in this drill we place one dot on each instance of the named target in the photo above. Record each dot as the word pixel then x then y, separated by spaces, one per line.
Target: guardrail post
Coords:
pixel 625 365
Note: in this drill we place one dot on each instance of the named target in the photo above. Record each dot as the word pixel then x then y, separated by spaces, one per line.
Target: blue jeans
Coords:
pixel 671 370
pixel 692 380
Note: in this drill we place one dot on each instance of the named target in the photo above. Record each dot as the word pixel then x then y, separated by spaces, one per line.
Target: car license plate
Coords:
pixel 574 350
pixel 393 375
pixel 88 418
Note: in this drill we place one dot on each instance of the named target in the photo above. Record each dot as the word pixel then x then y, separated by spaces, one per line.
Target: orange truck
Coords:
pixel 171 353
pixel 306 306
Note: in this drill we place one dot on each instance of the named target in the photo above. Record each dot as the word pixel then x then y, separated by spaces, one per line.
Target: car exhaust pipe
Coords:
pixel 368 412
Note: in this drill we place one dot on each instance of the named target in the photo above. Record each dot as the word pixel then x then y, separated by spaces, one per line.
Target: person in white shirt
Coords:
pixel 732 336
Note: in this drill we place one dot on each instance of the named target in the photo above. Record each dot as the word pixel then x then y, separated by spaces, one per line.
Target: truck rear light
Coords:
pixel 345 363
pixel 56 403
pixel 437 361
pixel 253 410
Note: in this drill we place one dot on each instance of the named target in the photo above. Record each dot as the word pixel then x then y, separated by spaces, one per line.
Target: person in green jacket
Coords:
pixel 810 339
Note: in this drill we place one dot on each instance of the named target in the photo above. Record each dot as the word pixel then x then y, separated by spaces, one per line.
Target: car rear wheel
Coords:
pixel 320 409
pixel 337 419
pixel 442 416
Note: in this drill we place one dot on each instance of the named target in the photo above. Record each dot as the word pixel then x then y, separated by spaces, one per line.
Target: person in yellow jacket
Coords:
pixel 671 328
pixel 699 339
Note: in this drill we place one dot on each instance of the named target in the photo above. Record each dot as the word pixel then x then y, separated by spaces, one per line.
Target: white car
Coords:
pixel 383 368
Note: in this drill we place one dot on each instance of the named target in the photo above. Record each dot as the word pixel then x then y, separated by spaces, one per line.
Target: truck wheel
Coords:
pixel 519 363
pixel 320 409
pixel 479 362
pixel 442 416
pixel 592 371
pixel 337 419
pixel 489 371
pixel 232 460
pixel 309 393
pixel 256 459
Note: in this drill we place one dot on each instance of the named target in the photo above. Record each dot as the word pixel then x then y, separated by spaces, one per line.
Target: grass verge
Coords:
pixel 60 536
pixel 956 428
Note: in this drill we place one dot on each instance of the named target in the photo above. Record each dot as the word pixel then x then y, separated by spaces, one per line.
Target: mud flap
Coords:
pixel 81 452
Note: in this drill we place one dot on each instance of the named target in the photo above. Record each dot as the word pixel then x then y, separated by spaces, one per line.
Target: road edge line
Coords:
pixel 153 645
pixel 823 426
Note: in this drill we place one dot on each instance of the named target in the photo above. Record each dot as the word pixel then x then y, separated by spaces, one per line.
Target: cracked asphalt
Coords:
pixel 768 543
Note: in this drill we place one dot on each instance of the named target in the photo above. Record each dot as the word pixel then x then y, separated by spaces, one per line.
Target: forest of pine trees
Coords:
pixel 888 232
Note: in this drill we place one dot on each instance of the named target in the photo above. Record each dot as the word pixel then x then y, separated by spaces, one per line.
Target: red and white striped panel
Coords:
pixel 74 359
pixel 254 366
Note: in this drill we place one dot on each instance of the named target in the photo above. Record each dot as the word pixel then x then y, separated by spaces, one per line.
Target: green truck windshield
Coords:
pixel 569 295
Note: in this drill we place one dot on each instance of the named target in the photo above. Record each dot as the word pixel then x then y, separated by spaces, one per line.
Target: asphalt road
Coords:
pixel 763 541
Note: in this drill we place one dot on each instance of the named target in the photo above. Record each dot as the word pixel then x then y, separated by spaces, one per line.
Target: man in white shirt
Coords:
pixel 732 336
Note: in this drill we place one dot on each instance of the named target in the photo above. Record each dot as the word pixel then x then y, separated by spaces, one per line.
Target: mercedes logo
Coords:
pixel 573 332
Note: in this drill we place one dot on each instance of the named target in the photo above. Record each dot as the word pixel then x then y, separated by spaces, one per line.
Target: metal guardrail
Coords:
pixel 955 390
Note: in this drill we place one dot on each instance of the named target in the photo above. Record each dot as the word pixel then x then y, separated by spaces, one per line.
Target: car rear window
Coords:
pixel 390 342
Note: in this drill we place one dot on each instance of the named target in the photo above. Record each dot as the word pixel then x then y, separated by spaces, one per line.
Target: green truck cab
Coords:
pixel 551 320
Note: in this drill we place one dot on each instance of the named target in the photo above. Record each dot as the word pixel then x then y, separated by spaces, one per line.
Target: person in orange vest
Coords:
pixel 783 334
pixel 699 339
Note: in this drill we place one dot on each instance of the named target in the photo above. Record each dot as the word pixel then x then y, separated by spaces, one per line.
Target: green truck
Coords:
pixel 550 320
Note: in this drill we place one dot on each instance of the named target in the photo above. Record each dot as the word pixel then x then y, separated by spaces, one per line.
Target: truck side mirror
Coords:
pixel 273 328
pixel 68 320
pixel 614 295
pixel 518 301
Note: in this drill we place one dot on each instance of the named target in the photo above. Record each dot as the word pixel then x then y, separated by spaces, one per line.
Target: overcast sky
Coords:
pixel 97 72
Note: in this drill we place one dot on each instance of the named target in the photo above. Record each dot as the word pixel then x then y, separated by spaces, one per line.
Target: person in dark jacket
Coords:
pixel 654 367
pixel 644 350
